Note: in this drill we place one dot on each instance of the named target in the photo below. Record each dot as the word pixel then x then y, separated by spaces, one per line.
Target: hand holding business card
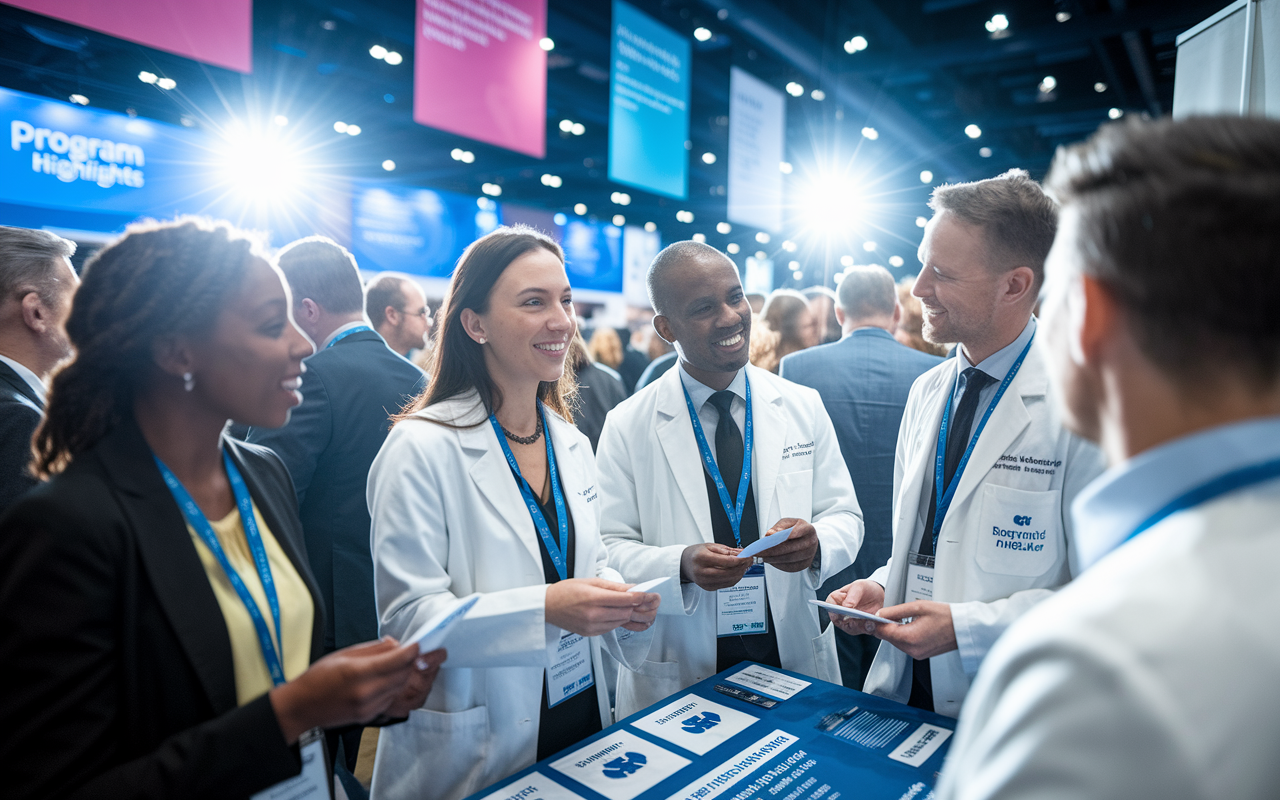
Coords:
pixel 853 612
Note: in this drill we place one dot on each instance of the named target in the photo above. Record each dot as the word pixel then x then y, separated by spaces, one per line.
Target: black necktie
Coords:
pixel 958 432
pixel 728 443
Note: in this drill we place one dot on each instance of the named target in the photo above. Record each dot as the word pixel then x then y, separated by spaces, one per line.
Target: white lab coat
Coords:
pixel 656 505
pixel 988 587
pixel 1151 675
pixel 449 521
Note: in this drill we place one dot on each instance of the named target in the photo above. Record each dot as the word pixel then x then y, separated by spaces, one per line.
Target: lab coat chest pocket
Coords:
pixel 795 496
pixel 1019 531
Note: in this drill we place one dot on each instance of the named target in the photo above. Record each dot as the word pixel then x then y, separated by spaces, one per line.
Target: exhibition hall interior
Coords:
pixel 639 399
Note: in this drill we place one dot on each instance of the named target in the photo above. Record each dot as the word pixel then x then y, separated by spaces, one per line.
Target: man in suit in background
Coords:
pixel 864 380
pixel 36 284
pixel 398 311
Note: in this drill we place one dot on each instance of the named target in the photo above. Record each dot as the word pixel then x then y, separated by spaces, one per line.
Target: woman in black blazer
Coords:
pixel 122 676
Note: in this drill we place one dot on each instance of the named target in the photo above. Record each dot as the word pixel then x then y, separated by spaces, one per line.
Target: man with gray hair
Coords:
pixel 863 379
pixel 36 284
pixel 984 472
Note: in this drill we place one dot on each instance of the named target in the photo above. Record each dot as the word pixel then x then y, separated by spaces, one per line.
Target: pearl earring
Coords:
pixel 188 381
pixel 483 340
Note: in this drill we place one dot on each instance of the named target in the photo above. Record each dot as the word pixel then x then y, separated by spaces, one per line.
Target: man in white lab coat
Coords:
pixel 1154 673
pixel 984 471
pixel 710 457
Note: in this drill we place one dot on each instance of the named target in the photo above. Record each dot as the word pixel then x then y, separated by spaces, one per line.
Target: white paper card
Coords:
pixel 729 777
pixel 534 786
pixel 921 744
pixel 760 545
pixel 309 784
pixel 570 673
pixel 766 681
pixel 853 612
pixel 742 609
pixel 431 636
pixel 620 766
pixel 694 723
pixel 648 586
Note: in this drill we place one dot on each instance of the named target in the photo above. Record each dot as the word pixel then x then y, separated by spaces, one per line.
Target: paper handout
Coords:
pixel 431 636
pixel 649 586
pixel 760 545
pixel 853 612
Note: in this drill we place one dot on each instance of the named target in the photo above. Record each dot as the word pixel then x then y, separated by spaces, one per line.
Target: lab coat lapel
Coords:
pixel 573 479
pixel 769 428
pixel 675 432
pixel 492 476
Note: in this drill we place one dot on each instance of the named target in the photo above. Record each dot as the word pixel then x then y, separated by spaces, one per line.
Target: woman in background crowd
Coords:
pixel 606 347
pixel 911 325
pixel 787 313
pixel 484 486
pixel 158 620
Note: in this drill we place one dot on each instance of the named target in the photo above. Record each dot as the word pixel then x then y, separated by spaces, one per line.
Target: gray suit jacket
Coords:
pixel 20 413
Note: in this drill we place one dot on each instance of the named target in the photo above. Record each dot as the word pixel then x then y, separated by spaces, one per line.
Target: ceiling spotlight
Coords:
pixel 566 125
pixel 684 216
pixel 870 133
pixel 789 246
pixel 619 220
pixel 723 227
pixel 621 198
pixel 985 152
pixel 167 83
pixel 554 181
pixel 79 99
pixel 793 265
pixel 794 89
pixel 341 127
pixel 578 129
pixel 546 43
pixel 389 165
pixel 1048 84
pixel 148 77
pixel 855 45
pixel 785 167
pixel 650 227
pixel 560 219
pixel 1116 113
pixel 580 209
pixel 896 261
pixel 761 255
pixel 921 222
pixel 762 237
pixel 1062 16
pixel 797 275
pixel 393 58
pixel 870 247
pixel 1099 87
pixel 997 23
pixel 353 130
pixel 846 261
pixel 457 154
pixel 485 204
pixel 926 176
pixel 732 248
pixel 280 120
pixel 491 189
pixel 818 94
pixel 700 238
pixel 702 34
pixel 708 158
pixel 378 51
pixel 972 131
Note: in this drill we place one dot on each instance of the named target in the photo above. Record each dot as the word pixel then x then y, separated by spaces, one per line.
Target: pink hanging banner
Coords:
pixel 218 32
pixel 480 71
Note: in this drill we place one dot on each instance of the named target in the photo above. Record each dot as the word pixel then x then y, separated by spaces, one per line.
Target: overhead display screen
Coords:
pixel 648 104
pixel 757 127
pixel 480 71
pixel 218 32
pixel 414 230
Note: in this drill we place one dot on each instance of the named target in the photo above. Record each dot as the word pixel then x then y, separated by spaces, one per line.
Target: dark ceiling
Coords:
pixel 930 69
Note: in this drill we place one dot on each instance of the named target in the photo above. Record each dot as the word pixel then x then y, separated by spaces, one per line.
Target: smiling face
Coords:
pixel 529 321
pixel 249 367
pixel 958 290
pixel 709 319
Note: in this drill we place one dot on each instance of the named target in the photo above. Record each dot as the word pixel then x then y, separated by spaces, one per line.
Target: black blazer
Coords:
pixel 117 672
pixel 20 413
pixel 349 392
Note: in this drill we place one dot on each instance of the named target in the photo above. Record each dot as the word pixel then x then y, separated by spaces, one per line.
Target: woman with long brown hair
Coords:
pixel 484 486
pixel 158 620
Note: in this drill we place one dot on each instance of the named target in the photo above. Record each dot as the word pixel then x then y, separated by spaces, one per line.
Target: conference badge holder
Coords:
pixel 571 672
pixel 919 577
pixel 312 781
pixel 741 609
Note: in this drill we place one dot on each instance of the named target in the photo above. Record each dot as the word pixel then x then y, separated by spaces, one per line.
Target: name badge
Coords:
pixel 919 577
pixel 742 608
pixel 312 783
pixel 570 671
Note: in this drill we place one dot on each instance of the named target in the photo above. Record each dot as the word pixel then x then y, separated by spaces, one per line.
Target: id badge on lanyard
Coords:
pixel 570 672
pixel 742 609
pixel 919 577
pixel 312 782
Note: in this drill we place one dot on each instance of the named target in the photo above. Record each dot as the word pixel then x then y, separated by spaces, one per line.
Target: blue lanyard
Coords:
pixel 559 555
pixel 734 513
pixel 345 334
pixel 946 493
pixel 1228 482
pixel 197 520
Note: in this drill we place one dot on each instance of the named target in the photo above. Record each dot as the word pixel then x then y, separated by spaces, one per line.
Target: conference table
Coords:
pixel 749 732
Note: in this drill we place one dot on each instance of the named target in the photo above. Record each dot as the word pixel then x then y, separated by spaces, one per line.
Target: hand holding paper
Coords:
pixel 649 586
pixel 765 542
pixel 431 636
pixel 791 548
pixel 855 613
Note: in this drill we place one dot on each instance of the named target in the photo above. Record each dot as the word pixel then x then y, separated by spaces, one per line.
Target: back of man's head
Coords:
pixel 28 263
pixel 866 294
pixel 1181 221
pixel 1018 220
pixel 667 261
pixel 324 271
pixel 386 289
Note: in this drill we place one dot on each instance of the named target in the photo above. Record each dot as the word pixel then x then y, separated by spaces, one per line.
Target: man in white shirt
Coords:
pixel 1153 674
pixel 36 284
pixel 710 457
pixel 984 469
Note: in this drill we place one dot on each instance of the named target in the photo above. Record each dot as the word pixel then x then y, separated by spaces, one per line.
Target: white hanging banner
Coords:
pixel 757 133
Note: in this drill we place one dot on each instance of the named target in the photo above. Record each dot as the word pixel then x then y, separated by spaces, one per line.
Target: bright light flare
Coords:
pixel 261 166
pixel 997 23
pixel 831 204
pixel 702 34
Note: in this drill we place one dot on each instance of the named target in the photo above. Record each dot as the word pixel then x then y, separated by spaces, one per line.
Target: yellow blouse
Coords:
pixel 296 612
